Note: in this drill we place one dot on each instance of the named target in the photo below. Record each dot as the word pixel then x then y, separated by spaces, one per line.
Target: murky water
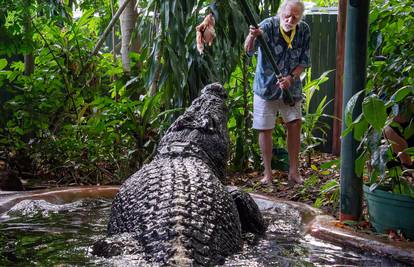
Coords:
pixel 37 233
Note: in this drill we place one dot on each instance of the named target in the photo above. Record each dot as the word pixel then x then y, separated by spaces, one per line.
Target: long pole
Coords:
pixel 266 50
pixel 356 39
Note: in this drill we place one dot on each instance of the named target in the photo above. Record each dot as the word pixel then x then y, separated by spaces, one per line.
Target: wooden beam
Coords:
pixel 340 54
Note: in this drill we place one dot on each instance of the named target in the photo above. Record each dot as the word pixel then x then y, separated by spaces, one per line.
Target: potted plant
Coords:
pixel 389 96
pixel 389 188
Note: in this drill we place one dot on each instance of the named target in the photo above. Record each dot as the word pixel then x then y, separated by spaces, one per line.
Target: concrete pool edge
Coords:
pixel 57 195
pixel 325 227
pixel 314 222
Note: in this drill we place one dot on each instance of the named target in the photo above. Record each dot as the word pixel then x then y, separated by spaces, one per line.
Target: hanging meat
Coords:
pixel 205 32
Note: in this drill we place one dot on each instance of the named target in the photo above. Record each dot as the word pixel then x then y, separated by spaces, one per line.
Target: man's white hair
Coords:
pixel 285 3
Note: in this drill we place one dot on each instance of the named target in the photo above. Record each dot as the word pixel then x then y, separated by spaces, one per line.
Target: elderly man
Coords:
pixel 288 38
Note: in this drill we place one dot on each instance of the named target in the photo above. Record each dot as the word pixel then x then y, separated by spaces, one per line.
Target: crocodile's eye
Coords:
pixel 213 124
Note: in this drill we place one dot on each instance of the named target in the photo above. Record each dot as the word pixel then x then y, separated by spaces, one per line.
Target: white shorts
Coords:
pixel 265 111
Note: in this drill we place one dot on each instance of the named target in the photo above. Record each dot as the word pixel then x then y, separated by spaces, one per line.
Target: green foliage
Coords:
pixel 84 123
pixel 324 3
pixel 12 26
pixel 329 194
pixel 79 118
pixel 328 190
pixel 244 151
pixel 374 112
pixel 311 123
pixel 389 91
pixel 390 45
pixel 280 159
pixel 368 128
pixel 171 36
pixel 16 18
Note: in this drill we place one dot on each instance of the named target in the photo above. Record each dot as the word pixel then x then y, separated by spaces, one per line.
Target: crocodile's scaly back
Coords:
pixel 176 209
pixel 201 131
pixel 181 215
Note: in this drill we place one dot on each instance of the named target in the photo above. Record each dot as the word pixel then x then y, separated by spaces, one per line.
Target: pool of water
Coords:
pixel 35 232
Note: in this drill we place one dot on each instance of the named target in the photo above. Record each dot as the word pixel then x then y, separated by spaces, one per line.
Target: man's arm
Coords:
pixel 296 72
pixel 251 38
pixel 288 81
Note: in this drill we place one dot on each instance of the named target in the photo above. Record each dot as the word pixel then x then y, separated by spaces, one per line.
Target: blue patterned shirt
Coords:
pixel 287 59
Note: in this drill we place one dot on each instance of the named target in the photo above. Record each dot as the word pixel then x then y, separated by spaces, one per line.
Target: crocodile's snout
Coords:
pixel 215 89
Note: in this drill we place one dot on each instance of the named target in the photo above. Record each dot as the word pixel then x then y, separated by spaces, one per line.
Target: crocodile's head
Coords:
pixel 201 131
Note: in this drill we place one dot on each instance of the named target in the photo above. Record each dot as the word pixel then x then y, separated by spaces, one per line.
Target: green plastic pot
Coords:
pixel 389 211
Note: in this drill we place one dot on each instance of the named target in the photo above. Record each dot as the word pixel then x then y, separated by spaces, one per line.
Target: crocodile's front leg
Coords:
pixel 250 216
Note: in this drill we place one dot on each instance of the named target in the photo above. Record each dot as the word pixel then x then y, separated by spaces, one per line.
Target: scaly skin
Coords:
pixel 175 208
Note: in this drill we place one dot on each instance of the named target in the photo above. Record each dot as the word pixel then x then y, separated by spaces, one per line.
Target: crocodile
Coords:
pixel 175 210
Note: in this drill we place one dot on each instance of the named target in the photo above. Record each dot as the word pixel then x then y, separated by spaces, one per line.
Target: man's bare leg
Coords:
pixel 266 146
pixel 293 144
pixel 398 145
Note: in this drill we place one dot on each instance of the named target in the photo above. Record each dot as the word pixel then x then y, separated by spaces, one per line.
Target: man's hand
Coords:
pixel 255 32
pixel 251 37
pixel 285 82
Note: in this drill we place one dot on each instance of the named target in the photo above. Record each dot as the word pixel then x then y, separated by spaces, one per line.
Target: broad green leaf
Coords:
pixel 409 130
pixel 360 127
pixel 360 163
pixel 352 126
pixel 349 110
pixel 3 63
pixel 347 130
pixel 402 93
pixel 375 112
pixel 85 17
pixel 330 164
pixel 148 107
pixel 326 172
pixel 18 130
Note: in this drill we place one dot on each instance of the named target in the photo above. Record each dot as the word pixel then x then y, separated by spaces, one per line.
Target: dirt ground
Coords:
pixel 320 189
pixel 323 170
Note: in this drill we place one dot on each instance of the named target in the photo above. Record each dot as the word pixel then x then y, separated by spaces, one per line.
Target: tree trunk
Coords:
pixel 109 27
pixel 113 32
pixel 28 64
pixel 128 19
pixel 28 57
